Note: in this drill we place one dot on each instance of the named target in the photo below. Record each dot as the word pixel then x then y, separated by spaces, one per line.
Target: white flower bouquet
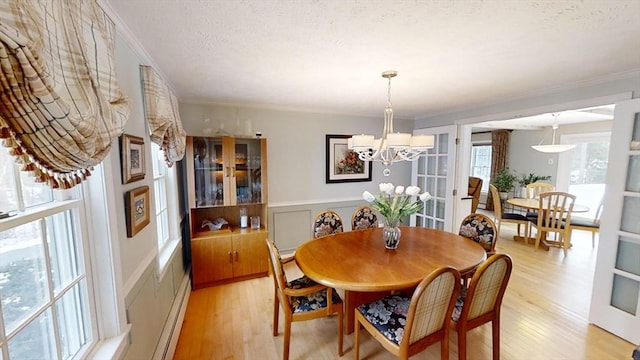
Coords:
pixel 396 202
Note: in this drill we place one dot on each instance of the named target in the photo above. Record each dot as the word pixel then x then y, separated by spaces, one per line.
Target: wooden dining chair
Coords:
pixel 554 209
pixel 301 301
pixel 536 188
pixel 364 218
pixel 480 302
pixel 406 325
pixel 481 229
pixel 500 216
pixel 585 224
pixel 533 191
pixel 474 190
pixel 327 222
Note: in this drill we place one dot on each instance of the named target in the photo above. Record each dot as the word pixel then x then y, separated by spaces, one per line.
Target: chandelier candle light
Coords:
pixel 390 147
pixel 395 203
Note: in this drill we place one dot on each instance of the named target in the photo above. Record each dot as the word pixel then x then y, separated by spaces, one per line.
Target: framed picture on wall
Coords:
pixel 344 165
pixel 137 207
pixel 132 158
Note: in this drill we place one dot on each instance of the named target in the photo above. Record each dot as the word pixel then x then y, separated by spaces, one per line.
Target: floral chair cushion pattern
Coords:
pixel 478 229
pixel 327 223
pixel 364 218
pixel 388 315
pixel 317 300
pixel 457 309
pixel 301 283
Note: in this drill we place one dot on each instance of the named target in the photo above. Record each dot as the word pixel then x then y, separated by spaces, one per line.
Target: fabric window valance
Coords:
pixel 60 107
pixel 163 117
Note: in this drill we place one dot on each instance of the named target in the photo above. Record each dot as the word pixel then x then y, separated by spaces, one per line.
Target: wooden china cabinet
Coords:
pixel 225 175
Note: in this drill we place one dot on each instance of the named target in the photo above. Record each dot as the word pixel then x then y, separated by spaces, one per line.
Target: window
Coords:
pixel 166 203
pixel 481 164
pixel 160 193
pixel 44 287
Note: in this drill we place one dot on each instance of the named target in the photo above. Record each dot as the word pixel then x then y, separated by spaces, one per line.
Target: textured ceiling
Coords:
pixel 327 55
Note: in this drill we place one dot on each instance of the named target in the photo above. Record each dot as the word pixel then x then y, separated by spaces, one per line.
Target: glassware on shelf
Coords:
pixel 243 217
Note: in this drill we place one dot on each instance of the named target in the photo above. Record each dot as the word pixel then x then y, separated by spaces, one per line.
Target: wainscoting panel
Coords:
pixel 290 225
pixel 153 310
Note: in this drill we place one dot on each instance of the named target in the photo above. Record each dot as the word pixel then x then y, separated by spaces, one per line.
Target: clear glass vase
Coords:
pixel 391 235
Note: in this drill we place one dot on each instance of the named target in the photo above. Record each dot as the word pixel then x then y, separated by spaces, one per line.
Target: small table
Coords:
pixel 533 204
pixel 358 262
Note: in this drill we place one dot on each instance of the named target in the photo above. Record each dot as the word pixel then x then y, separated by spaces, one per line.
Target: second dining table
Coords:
pixel 533 204
pixel 358 262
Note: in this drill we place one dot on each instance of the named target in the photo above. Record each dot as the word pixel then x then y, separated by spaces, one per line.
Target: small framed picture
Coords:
pixel 132 153
pixel 344 165
pixel 137 208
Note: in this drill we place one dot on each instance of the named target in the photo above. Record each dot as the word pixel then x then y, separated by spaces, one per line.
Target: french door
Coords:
pixel 435 172
pixel 615 301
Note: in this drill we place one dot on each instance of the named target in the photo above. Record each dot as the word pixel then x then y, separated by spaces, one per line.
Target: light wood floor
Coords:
pixel 544 316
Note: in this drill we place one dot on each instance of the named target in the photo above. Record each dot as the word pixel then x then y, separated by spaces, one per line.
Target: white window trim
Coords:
pixel 172 246
pixel 113 330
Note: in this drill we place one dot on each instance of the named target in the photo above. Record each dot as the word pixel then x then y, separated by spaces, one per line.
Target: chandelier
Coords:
pixel 391 146
pixel 553 147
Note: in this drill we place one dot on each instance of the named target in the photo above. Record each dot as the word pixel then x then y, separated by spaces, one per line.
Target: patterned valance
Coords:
pixel 161 108
pixel 60 106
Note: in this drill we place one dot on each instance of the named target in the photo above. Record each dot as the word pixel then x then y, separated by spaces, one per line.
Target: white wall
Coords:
pixel 296 149
pixel 524 160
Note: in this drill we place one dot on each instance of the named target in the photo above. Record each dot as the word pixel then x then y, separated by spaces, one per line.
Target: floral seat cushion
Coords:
pixel 327 223
pixel 388 315
pixel 479 230
pixel 457 309
pixel 301 283
pixel 315 301
pixel 365 218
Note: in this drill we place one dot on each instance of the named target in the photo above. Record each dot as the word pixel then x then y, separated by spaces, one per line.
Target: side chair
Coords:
pixel 301 302
pixel 501 216
pixel 480 302
pixel 533 192
pixel 364 218
pixel 554 209
pixel 327 222
pixel 585 224
pixel 481 229
pixel 406 325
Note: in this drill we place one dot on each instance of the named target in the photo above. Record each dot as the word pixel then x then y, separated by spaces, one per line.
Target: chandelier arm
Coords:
pixel 399 150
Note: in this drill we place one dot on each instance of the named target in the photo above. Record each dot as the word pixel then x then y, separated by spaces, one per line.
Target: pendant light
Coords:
pixel 553 147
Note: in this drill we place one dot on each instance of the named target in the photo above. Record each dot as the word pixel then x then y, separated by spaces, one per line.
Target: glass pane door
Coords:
pixel 248 171
pixel 432 172
pixel 208 166
pixel 616 290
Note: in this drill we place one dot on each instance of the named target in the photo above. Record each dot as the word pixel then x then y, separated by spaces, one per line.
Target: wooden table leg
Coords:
pixel 529 240
pixel 353 299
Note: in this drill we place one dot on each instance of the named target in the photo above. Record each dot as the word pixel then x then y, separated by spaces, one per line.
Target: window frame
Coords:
pixel 485 181
pixel 71 204
pixel 168 247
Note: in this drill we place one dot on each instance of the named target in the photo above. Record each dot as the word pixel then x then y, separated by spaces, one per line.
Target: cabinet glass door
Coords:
pixel 248 171
pixel 208 171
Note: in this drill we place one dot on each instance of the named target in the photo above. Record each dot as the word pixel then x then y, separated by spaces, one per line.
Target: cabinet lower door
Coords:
pixel 212 260
pixel 250 252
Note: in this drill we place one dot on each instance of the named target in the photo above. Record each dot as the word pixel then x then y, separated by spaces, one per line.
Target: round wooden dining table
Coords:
pixel 531 204
pixel 358 262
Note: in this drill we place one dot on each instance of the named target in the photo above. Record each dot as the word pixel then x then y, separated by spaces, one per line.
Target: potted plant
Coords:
pixel 504 181
pixel 526 179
